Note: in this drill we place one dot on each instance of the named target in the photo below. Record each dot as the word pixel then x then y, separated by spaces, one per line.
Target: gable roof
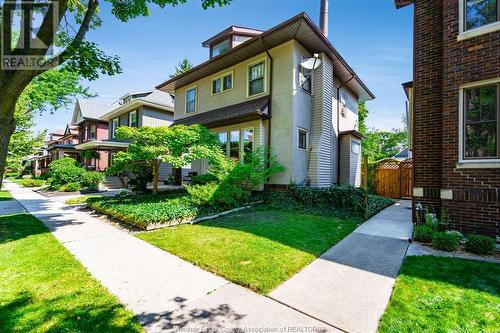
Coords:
pixel 300 28
pixel 88 109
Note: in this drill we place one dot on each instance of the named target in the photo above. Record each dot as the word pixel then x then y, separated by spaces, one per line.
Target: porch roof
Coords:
pixel 102 145
pixel 251 110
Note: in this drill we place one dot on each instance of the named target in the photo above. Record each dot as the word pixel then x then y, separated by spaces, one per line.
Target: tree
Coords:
pixel 72 19
pixel 182 67
pixel 178 145
pixel 363 115
pixel 382 144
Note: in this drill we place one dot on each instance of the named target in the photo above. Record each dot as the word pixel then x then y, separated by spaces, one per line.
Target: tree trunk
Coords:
pixel 7 127
pixel 156 171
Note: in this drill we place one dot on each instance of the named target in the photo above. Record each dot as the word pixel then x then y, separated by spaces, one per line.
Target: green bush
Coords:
pixel 223 195
pixel 70 187
pixel 32 182
pixel 423 233
pixel 376 203
pixel 204 179
pixel 11 174
pixel 64 171
pixel 445 242
pixel 480 244
pixel 91 180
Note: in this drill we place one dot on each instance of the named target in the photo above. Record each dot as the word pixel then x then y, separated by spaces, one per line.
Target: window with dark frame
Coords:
pixel 132 118
pixel 479 13
pixel 220 48
pixel 191 100
pixel 256 79
pixel 114 125
pixel 481 125
pixel 92 132
pixel 302 138
pixel 222 84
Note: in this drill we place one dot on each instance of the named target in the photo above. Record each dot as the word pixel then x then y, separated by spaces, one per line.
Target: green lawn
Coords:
pixel 257 249
pixel 5 195
pixel 434 294
pixel 44 289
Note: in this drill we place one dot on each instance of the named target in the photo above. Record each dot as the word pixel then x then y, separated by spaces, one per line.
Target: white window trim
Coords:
pixel 298 138
pixel 195 87
pixel 264 60
pixel 130 117
pixel 467 34
pixel 221 77
pixel 113 129
pixel 474 163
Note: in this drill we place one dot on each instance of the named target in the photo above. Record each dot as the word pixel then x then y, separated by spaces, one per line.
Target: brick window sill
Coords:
pixel 479 165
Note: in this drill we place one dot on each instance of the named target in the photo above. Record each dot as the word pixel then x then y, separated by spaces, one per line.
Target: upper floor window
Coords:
pixel 481 126
pixel 220 48
pixel 479 13
pixel 132 118
pixel 256 79
pixel 191 100
pixel 92 132
pixel 115 123
pixel 222 84
pixel 85 131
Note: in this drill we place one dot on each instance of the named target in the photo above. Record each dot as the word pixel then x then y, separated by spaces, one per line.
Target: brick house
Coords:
pixel 455 107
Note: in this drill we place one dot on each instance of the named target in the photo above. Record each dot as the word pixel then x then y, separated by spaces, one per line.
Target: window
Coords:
pixel 480 123
pixel 247 140
pixel 92 132
pixel 223 142
pixel 222 84
pixel 355 147
pixel 191 100
pixel 220 48
pixel 479 13
pixel 132 118
pixel 305 76
pixel 256 79
pixel 115 123
pixel 85 129
pixel 302 139
pixel 234 144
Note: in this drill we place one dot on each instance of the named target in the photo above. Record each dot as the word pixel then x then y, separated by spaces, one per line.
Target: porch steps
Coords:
pixel 113 182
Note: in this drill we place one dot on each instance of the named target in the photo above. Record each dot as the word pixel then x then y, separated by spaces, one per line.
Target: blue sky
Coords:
pixel 374 38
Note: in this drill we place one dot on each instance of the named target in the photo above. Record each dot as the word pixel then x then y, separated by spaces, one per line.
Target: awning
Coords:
pixel 233 114
pixel 102 145
pixel 353 133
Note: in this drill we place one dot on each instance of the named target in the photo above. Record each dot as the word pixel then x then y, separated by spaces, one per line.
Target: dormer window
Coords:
pixel 220 48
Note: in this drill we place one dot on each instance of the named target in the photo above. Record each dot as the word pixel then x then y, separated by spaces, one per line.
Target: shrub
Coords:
pixel 70 187
pixel 78 200
pixel 32 182
pixel 480 244
pixel 219 195
pixel 65 171
pixel 423 233
pixel 92 179
pixel 204 179
pixel 376 203
pixel 445 242
pixel 11 174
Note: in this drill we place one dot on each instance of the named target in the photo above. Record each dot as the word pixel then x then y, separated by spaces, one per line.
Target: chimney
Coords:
pixel 323 17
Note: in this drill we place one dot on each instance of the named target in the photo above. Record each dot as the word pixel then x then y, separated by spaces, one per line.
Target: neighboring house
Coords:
pixel 253 91
pixel 455 100
pixel 62 143
pixel 86 116
pixel 39 162
pixel 404 154
pixel 151 108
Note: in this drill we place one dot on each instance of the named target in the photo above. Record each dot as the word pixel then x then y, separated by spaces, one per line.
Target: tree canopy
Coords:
pixel 182 67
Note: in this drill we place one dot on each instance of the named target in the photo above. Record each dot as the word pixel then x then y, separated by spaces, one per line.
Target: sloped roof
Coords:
pixel 402 3
pixel 90 109
pixel 159 97
pixel 300 28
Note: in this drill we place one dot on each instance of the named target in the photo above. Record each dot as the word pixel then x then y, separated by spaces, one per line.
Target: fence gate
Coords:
pixel 393 179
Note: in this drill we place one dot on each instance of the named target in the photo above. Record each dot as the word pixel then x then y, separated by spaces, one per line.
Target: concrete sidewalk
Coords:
pixel 165 292
pixel 350 285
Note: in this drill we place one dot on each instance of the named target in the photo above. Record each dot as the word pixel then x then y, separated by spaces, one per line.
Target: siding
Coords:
pixel 155 118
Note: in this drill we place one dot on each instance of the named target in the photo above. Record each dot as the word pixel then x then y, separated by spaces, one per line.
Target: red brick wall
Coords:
pixel 475 207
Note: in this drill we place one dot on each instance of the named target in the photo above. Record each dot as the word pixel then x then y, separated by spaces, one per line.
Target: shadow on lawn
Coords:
pixel 18 226
pixel 26 314
pixel 462 273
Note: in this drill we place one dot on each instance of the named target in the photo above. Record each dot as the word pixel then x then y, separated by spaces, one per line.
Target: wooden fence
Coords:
pixel 393 178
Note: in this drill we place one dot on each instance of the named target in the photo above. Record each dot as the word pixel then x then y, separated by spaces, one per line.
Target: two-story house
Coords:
pixel 86 116
pixel 255 90
pixel 455 107
pixel 62 143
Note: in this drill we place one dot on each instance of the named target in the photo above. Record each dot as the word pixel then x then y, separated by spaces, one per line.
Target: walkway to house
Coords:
pixel 165 292
pixel 350 286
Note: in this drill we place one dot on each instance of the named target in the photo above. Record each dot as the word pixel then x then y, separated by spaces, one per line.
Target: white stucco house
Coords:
pixel 253 91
